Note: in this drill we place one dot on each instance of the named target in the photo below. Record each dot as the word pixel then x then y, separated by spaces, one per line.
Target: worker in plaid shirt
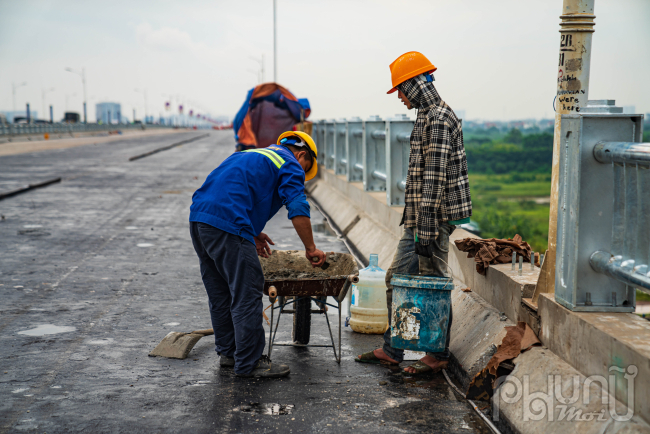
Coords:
pixel 437 195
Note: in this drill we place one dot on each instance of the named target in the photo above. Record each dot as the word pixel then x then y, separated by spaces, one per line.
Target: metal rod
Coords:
pixel 358 167
pixel 306 345
pixel 514 260
pixel 340 354
pixel 357 133
pixel 401 185
pixel 379 175
pixel 378 134
pixel 521 264
pixel 604 263
pixel 275 43
pixel 271 331
pixel 532 260
pixel 404 137
pixel 622 152
pixel 331 336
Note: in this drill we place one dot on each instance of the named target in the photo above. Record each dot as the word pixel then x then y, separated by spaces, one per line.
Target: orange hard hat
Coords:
pixel 409 65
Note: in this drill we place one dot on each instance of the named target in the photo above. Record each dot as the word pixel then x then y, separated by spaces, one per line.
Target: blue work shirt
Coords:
pixel 248 189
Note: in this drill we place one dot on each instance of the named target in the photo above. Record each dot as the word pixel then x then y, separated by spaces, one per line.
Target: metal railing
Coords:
pixel 10 130
pixel 374 151
pixel 629 260
pixel 603 210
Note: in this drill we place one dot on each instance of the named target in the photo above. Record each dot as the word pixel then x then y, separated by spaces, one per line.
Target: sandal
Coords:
pixel 421 368
pixel 370 357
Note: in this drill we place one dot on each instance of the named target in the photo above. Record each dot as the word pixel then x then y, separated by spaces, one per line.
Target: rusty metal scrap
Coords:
pixel 494 250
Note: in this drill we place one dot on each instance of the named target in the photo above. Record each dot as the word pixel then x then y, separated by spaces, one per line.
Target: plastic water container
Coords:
pixel 420 310
pixel 368 311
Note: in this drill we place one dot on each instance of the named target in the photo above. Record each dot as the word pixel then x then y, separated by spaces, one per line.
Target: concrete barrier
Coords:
pixel 576 344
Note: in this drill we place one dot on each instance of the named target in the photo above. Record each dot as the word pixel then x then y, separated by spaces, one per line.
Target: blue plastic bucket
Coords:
pixel 420 312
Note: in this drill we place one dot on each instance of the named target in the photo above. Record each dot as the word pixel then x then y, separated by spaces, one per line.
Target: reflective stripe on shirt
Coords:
pixel 273 156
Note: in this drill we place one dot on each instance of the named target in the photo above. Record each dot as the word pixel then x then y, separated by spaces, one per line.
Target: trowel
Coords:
pixel 177 345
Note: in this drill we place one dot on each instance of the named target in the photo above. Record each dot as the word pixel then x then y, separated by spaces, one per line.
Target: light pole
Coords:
pixel 275 44
pixel 43 93
pixel 15 86
pixel 144 92
pixel 82 74
pixel 576 30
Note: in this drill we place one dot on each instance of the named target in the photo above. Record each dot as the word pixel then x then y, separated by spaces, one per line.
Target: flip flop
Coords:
pixel 422 368
pixel 370 357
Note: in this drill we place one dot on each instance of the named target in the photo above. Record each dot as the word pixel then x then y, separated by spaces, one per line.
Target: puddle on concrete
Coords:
pixel 270 409
pixel 131 228
pixel 47 329
pixel 20 390
pixel 104 341
pixel 172 324
pixel 140 198
pixel 145 245
pixel 32 226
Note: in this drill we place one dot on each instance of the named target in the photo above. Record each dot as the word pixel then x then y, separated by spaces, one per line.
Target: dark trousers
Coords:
pixel 233 278
pixel 406 261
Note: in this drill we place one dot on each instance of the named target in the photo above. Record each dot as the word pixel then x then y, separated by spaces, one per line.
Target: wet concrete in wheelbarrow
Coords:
pixel 111 270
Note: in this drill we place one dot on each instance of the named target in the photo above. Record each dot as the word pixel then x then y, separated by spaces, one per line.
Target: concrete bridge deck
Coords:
pixel 103 261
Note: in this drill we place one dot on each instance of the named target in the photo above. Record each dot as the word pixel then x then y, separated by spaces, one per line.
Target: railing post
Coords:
pixel 340 164
pixel 594 214
pixel 329 143
pixel 354 149
pixel 374 160
pixel 398 145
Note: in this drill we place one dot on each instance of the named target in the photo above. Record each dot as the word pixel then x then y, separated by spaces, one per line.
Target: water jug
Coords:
pixel 368 304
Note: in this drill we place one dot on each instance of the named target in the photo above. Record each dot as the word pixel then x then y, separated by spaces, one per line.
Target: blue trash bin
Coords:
pixel 420 312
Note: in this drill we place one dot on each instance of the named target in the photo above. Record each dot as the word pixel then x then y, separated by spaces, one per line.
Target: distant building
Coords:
pixel 108 112
pixel 22 114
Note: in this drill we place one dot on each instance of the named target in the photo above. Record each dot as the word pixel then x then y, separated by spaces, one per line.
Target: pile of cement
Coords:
pixel 293 265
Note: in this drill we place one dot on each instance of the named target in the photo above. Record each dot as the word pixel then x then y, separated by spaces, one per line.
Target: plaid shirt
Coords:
pixel 437 185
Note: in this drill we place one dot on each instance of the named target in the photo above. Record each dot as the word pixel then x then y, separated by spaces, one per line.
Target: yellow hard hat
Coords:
pixel 312 146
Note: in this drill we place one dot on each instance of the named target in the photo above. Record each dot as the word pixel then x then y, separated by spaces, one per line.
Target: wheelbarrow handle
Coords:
pixel 206 332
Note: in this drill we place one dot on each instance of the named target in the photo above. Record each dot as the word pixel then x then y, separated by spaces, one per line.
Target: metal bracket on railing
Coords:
pixel 603 231
pixel 398 145
pixel 330 157
pixel 341 164
pixel 354 149
pixel 374 157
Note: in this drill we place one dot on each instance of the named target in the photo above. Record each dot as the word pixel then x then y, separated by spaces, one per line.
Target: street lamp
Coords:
pixel 144 92
pixel 15 86
pixel 43 93
pixel 82 74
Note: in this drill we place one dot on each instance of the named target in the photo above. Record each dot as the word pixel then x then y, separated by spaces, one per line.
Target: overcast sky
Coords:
pixel 496 59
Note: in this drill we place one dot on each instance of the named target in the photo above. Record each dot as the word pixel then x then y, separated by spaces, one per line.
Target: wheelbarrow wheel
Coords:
pixel 302 321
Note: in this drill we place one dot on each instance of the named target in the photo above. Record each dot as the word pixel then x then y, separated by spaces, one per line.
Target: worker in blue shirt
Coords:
pixel 227 216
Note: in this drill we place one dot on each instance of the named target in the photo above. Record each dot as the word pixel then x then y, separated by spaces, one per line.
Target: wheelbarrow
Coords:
pixel 291 280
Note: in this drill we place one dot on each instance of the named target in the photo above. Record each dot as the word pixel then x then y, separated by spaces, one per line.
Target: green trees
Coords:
pixel 515 153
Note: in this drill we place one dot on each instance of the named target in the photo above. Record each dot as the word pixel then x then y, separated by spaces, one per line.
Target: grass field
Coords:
pixel 505 205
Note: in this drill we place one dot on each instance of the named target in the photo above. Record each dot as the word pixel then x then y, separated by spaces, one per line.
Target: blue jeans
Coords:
pixel 406 261
pixel 233 278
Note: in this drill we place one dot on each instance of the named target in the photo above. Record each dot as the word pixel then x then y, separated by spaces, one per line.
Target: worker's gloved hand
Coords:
pixel 262 245
pixel 423 250
pixel 311 254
